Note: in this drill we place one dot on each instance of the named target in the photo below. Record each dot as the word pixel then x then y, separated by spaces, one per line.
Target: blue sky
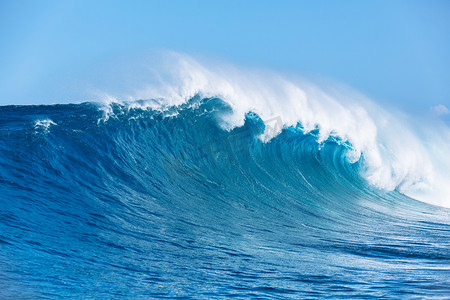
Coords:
pixel 392 51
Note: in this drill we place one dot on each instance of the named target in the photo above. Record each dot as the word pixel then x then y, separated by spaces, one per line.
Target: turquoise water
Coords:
pixel 142 203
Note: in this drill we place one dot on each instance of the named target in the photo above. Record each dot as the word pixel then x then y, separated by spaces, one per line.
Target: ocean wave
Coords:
pixel 173 197
pixel 399 152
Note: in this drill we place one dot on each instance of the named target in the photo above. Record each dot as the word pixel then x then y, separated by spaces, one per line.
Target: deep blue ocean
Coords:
pixel 144 203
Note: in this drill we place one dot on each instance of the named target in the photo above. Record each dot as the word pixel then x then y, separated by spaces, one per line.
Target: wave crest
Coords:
pixel 397 155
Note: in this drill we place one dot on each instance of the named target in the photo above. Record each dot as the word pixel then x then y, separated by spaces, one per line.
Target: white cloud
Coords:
pixel 440 109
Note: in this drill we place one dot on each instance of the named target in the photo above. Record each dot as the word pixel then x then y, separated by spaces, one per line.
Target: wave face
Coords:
pixel 135 202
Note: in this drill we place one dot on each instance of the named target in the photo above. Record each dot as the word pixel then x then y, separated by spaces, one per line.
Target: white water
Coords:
pixel 398 152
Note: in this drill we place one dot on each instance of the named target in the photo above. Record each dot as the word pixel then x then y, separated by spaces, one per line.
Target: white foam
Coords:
pixel 396 155
pixel 44 124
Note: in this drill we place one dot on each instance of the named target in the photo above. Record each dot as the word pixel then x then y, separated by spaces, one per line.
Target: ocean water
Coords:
pixel 223 182
pixel 134 202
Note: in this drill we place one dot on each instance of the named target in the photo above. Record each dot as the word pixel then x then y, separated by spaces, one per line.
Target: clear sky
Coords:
pixel 393 51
